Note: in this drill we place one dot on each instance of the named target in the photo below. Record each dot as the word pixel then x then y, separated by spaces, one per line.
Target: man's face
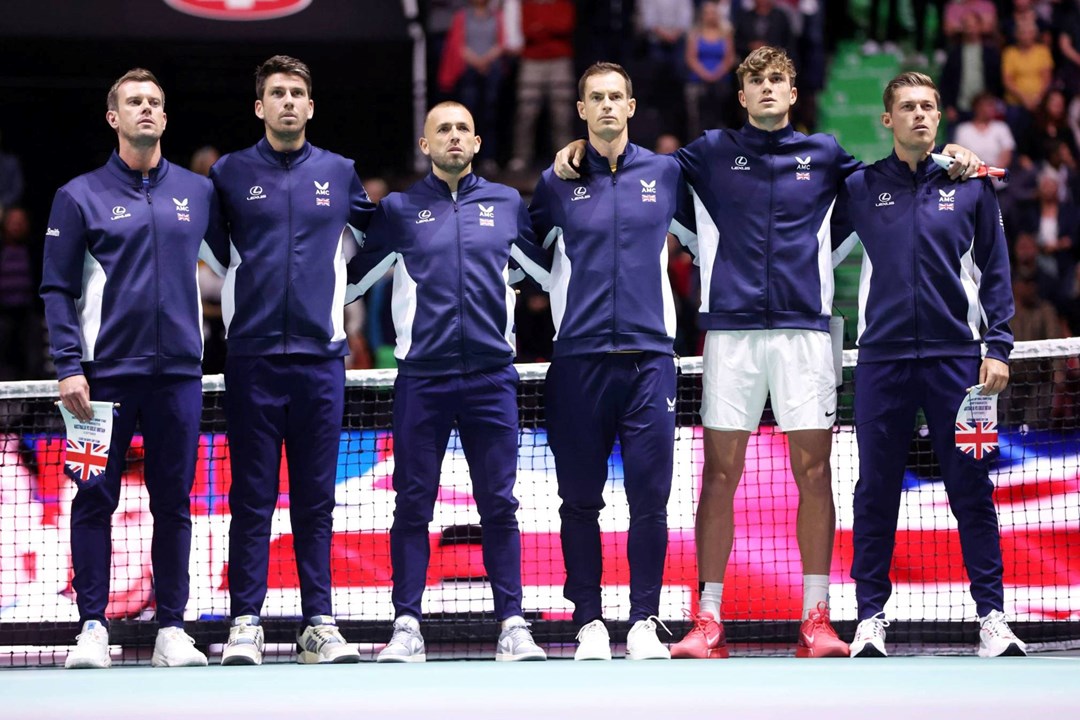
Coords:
pixel 449 139
pixel 139 117
pixel 767 95
pixel 606 106
pixel 914 118
pixel 285 106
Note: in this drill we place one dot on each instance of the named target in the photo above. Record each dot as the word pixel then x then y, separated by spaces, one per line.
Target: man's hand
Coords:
pixel 993 376
pixel 568 159
pixel 75 394
pixel 967 162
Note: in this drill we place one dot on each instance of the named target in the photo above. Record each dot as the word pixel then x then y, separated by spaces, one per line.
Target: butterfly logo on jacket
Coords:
pixel 945 202
pixel 182 213
pixel 648 190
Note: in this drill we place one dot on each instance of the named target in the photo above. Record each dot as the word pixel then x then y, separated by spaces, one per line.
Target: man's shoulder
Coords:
pixel 322 156
pixel 181 175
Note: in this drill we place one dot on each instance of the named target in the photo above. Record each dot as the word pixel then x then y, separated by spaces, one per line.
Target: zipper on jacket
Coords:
pixel 615 275
pixel 915 258
pixel 461 280
pixel 288 259
pixel 157 275
pixel 768 234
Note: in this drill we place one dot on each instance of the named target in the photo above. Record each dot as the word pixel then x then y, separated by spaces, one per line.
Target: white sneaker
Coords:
pixel 996 638
pixel 594 643
pixel 516 643
pixel 91 648
pixel 870 637
pixel 406 644
pixel 245 646
pixel 321 642
pixel 175 648
pixel 642 643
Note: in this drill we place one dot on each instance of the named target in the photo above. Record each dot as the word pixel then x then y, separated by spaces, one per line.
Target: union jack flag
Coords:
pixel 945 206
pixel 184 217
pixel 978 438
pixel 85 462
pixel 802 176
pixel 322 201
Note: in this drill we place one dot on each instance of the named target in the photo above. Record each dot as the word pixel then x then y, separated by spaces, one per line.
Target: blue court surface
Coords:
pixel 913 688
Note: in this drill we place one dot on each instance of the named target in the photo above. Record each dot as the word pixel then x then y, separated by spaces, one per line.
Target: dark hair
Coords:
pixel 603 68
pixel 764 58
pixel 112 101
pixel 281 64
pixel 909 79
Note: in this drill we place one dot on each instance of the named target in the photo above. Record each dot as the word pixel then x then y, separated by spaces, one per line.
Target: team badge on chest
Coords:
pixel 322 193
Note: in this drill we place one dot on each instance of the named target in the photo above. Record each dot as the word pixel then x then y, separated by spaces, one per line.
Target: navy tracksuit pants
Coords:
pixel 484 406
pixel 298 400
pixel 590 399
pixel 887 398
pixel 168 409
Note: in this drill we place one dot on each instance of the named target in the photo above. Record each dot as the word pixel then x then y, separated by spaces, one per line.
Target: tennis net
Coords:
pixel 1038 500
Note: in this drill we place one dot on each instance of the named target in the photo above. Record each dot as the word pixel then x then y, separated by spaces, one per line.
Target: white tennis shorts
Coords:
pixel 793 367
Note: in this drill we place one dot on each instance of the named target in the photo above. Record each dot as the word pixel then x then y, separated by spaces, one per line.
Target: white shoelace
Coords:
pixel 873 627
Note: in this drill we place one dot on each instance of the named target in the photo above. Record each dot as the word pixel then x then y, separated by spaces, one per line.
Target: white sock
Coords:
pixel 407 620
pixel 815 590
pixel 711 596
pixel 513 621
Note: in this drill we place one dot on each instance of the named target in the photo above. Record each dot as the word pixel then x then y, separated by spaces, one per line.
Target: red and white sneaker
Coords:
pixel 817 638
pixel 706 640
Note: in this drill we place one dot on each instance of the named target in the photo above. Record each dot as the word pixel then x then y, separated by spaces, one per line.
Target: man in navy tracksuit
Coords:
pixel 123 309
pixel 293 213
pixel 613 370
pixel 450 238
pixel 934 286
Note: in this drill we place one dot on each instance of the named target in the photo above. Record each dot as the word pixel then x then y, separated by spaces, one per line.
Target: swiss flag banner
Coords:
pixel 87 448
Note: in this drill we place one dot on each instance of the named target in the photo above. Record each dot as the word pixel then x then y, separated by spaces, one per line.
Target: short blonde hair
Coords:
pixel 763 59
pixel 908 79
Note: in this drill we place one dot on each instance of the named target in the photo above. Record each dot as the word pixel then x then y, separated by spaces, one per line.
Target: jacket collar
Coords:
pixel 761 136
pixel 282 159
pixel 465 183
pixel 595 162
pixel 898 168
pixel 120 169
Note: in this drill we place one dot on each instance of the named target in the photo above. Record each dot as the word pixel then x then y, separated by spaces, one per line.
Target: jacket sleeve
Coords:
pixel 534 260
pixel 217 251
pixel 214 250
pixel 376 254
pixel 684 223
pixel 991 257
pixel 842 231
pixel 361 209
pixel 845 163
pixel 62 283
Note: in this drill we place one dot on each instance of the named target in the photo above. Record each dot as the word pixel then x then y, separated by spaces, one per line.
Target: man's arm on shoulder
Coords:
pixel 684 223
pixel 361 209
pixel 530 256
pixel 214 250
pixel 842 230
pixel 376 254
pixel 991 257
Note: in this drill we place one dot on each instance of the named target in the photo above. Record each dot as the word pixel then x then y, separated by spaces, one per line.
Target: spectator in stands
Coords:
pixel 438 16
pixel 765 24
pixel 916 355
pixel 472 70
pixel 1027 260
pixel 203 159
pixel 461 378
pixel 972 67
pixel 986 135
pixel 710 57
pixel 130 348
pixel 11 180
pixel 1049 128
pixel 1054 223
pixel 664 25
pixel 546 72
pixel 956 11
pixel 1068 43
pixel 285 376
pixel 1023 13
pixel 21 339
pixel 1027 69
pixel 1030 399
